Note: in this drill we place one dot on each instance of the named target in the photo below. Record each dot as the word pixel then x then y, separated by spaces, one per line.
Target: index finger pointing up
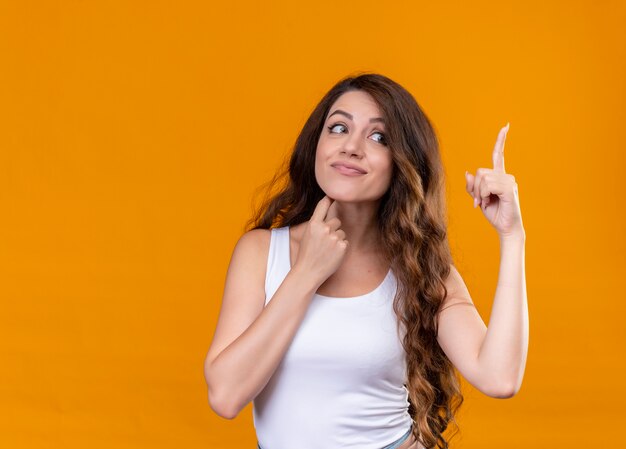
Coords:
pixel 498 150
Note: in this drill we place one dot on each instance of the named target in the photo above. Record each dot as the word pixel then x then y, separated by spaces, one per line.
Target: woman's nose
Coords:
pixel 353 145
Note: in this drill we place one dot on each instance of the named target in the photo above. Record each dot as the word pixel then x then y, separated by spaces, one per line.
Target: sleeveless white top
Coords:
pixel 341 383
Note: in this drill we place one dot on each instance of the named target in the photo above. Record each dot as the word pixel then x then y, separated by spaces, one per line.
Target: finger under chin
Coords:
pixel 332 211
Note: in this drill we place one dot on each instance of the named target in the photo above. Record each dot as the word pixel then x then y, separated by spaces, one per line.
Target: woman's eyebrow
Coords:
pixel 372 120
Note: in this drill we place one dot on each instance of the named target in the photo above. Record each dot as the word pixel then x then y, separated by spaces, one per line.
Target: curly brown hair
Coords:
pixel 412 223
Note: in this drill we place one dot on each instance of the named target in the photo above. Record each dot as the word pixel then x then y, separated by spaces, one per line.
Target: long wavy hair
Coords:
pixel 413 228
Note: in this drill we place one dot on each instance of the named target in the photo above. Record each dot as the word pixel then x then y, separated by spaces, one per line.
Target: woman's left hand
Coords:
pixel 496 192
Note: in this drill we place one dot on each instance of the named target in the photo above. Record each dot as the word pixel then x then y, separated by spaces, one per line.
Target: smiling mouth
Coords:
pixel 347 171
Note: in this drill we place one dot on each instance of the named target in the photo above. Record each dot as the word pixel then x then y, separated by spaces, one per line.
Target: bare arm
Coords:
pixel 251 340
pixel 492 359
pixel 504 350
pixel 241 371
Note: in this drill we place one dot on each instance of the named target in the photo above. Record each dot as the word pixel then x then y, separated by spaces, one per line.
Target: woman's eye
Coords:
pixel 382 138
pixel 335 126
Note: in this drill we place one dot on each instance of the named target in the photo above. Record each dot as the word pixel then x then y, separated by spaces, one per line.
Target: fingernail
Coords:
pixel 475 202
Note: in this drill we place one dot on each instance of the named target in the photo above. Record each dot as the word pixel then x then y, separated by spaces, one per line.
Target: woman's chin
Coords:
pixel 346 195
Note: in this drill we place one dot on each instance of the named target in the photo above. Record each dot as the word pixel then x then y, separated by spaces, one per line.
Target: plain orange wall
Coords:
pixel 133 136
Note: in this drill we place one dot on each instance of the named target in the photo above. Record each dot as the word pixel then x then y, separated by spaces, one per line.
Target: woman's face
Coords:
pixel 354 134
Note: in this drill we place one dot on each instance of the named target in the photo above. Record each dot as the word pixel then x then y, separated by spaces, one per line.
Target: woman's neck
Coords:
pixel 359 222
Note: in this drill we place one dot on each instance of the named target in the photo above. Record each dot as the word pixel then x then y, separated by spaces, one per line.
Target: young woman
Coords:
pixel 344 318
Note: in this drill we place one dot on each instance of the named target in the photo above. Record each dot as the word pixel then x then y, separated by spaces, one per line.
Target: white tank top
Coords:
pixel 342 380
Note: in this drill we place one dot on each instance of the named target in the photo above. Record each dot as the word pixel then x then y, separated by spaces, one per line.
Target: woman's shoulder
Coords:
pixel 257 237
pixel 260 238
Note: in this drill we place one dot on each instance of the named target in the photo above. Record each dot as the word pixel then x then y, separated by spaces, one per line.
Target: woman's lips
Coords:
pixel 347 171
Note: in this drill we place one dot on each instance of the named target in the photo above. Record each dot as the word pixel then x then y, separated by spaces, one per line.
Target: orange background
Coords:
pixel 133 136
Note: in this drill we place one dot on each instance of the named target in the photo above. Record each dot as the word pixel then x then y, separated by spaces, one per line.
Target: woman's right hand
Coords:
pixel 323 245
